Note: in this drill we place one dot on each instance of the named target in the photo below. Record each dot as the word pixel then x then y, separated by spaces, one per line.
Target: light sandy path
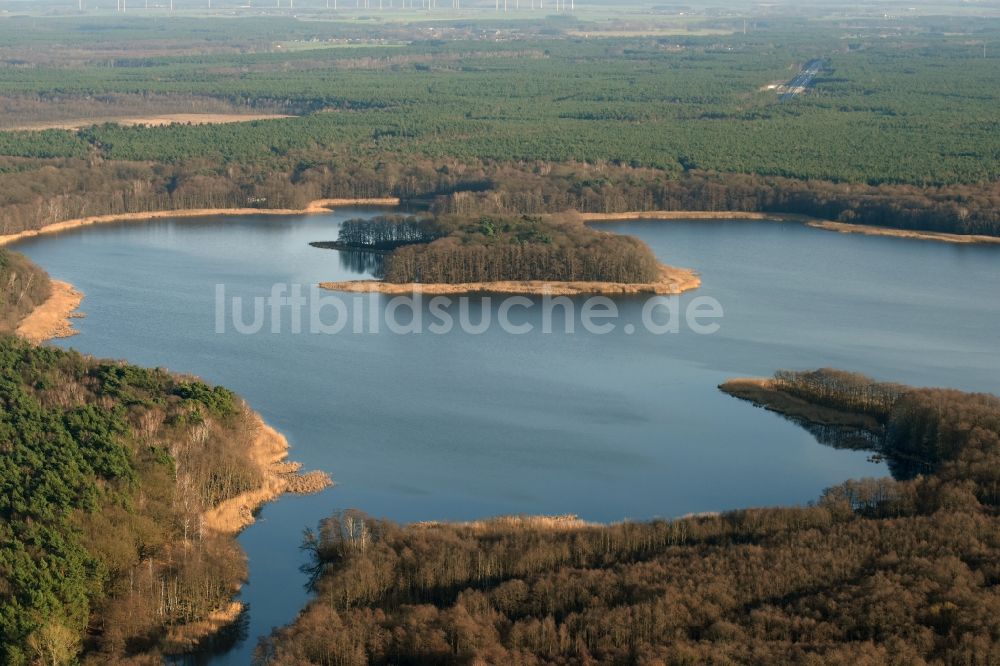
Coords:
pixel 152 121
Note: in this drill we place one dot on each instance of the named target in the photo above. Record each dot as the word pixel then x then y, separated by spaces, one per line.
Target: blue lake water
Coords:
pixel 459 426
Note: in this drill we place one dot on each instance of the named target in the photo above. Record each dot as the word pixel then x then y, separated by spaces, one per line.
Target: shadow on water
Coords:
pixel 363 262
pixel 217 644
pixel 862 439
pixel 353 260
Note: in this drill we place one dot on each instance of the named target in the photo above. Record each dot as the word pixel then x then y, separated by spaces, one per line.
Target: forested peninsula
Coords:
pixel 507 254
pixel 877 571
pixel 121 489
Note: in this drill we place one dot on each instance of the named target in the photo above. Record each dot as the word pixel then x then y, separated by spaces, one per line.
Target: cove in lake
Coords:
pixel 464 426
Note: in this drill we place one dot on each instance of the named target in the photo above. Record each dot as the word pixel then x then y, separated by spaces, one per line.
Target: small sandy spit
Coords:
pixel 279 476
pixel 269 451
pixel 51 319
pixel 764 392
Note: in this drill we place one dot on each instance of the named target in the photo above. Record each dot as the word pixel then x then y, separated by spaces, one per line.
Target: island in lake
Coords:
pixel 527 254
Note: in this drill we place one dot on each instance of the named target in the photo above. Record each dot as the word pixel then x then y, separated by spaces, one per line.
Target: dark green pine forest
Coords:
pixel 899 128
pixel 105 472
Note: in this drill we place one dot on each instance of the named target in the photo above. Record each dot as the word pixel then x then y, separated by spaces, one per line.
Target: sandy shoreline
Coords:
pixel 317 206
pixel 268 451
pixel 325 205
pixel 51 319
pixel 816 223
pixel 278 476
pixel 672 281
pixel 940 236
pixel 692 215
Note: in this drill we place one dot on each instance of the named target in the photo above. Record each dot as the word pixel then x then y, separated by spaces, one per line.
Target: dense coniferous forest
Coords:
pixel 457 249
pixel 106 472
pixel 899 130
pixel 877 571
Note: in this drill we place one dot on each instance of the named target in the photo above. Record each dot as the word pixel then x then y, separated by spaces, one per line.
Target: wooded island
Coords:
pixel 526 254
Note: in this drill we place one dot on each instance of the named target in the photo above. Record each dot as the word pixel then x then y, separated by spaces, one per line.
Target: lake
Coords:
pixel 461 426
